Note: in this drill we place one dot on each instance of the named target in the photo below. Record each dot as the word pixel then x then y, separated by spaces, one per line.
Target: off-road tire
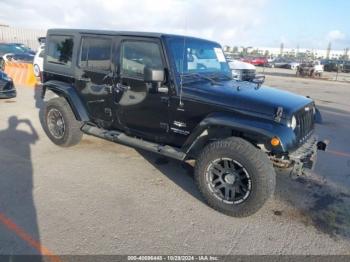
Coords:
pixel 72 133
pixel 257 164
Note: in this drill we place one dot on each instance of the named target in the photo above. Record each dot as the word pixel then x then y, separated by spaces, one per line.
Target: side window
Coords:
pixel 60 49
pixel 136 55
pixel 41 54
pixel 95 53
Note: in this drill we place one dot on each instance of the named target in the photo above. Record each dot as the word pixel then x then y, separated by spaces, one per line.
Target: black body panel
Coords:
pixel 167 112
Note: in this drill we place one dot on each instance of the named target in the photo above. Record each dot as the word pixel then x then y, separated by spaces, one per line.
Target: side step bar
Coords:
pixel 121 138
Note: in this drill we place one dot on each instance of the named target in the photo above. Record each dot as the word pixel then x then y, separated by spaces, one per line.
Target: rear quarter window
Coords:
pixel 60 50
pixel 95 53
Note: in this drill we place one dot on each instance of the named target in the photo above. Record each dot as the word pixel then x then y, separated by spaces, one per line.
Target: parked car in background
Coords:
pixel 24 47
pixel 7 88
pixel 11 57
pixel 257 61
pixel 38 61
pixel 346 67
pixel 15 52
pixel 242 70
pixel 42 40
pixel 279 62
pixel 311 69
pixel 293 65
pixel 331 65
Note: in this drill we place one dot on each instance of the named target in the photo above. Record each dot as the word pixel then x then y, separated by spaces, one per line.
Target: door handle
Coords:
pixel 85 79
pixel 122 87
pixel 108 89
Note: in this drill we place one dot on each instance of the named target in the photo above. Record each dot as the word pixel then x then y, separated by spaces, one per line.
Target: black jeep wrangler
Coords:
pixel 175 96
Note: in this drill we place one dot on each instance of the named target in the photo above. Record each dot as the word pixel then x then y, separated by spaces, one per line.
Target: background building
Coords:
pixel 25 36
pixel 291 52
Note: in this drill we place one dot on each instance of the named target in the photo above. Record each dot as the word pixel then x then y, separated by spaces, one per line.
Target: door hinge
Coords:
pixel 108 111
pixel 164 126
pixel 164 99
pixel 108 89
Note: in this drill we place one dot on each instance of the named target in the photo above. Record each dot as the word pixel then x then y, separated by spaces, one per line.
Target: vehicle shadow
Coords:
pixel 181 173
pixel 19 232
pixel 39 103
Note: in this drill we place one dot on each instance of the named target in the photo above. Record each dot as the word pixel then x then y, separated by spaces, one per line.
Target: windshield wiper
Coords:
pixel 201 76
pixel 220 76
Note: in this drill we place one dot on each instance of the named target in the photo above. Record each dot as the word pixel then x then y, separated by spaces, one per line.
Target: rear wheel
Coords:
pixel 60 124
pixel 234 177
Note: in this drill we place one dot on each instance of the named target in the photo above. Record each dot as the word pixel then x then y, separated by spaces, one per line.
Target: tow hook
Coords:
pixel 322 145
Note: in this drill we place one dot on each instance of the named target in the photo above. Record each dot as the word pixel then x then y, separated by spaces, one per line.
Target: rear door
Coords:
pixel 95 79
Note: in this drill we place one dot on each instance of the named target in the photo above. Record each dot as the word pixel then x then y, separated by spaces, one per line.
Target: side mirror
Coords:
pixel 258 80
pixel 153 75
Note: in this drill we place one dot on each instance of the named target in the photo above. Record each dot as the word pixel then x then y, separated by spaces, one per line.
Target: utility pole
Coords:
pixel 281 49
pixel 346 51
pixel 329 48
pixel 297 55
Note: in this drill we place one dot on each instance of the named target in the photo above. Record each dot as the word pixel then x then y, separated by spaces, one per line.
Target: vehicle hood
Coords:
pixel 247 97
pixel 18 57
pixel 237 65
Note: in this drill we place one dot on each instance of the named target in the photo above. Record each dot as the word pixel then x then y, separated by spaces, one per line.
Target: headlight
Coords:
pixel 293 123
pixel 236 74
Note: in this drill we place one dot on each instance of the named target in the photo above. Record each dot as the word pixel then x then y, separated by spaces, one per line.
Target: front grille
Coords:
pixel 305 123
pixel 248 74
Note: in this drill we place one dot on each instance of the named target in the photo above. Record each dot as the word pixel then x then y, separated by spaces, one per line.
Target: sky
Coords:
pixel 257 23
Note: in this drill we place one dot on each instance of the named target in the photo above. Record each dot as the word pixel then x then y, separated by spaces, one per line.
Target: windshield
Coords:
pixel 7 48
pixel 195 56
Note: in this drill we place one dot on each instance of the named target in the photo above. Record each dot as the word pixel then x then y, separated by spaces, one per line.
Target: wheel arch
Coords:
pixel 57 88
pixel 220 126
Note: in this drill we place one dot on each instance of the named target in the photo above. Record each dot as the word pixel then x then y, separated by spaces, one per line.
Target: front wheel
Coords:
pixel 59 123
pixel 234 177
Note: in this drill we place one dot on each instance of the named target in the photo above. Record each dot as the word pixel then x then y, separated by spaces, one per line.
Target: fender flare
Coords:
pixel 262 128
pixel 71 95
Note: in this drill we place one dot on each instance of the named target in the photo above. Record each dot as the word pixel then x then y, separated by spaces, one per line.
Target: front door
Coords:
pixel 142 107
pixel 95 80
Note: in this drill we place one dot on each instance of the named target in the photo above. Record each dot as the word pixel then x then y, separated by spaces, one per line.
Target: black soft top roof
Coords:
pixel 116 33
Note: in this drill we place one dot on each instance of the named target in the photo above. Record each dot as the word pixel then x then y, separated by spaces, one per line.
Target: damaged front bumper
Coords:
pixel 302 158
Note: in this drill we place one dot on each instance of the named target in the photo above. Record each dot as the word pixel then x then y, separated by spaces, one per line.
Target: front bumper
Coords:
pixel 303 158
pixel 8 93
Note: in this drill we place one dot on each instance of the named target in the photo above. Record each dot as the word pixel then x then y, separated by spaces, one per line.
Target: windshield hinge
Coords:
pixel 279 113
